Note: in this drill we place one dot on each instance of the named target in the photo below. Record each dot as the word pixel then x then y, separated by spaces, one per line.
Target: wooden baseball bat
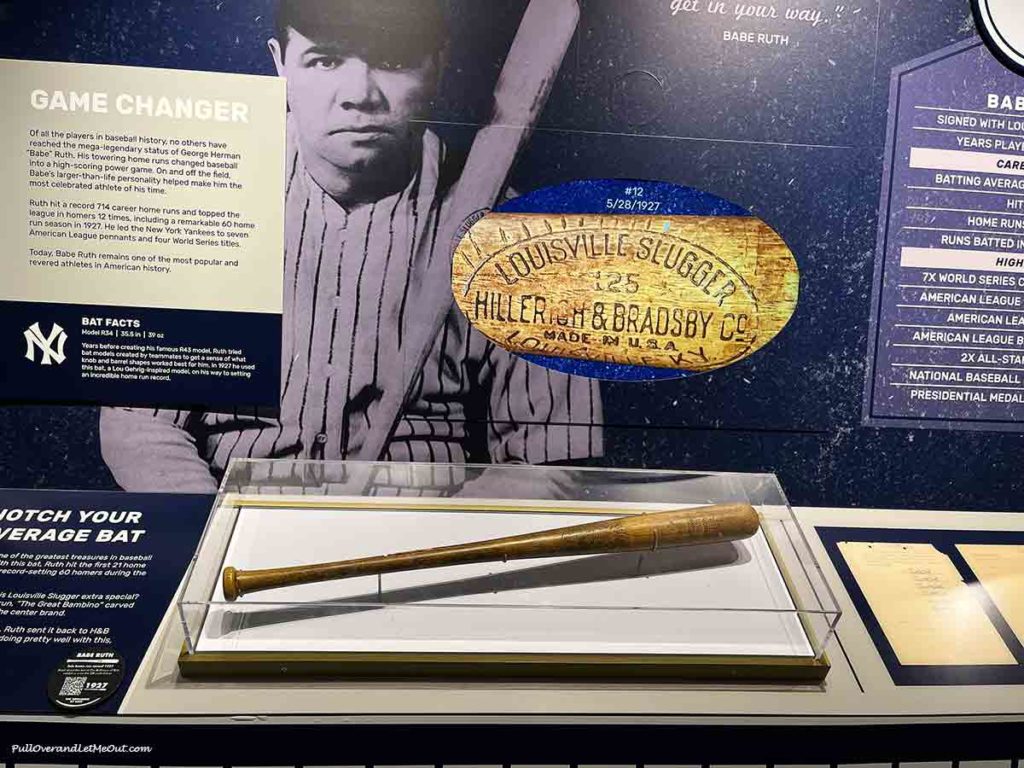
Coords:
pixel 530 69
pixel 632 533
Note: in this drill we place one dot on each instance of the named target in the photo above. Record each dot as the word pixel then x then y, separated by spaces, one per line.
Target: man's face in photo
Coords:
pixel 354 101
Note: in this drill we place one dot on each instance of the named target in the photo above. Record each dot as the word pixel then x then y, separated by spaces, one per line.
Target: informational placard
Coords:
pixel 143 222
pixel 86 579
pixel 947 343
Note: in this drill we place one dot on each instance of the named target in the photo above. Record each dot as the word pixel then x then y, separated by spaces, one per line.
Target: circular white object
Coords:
pixel 1001 23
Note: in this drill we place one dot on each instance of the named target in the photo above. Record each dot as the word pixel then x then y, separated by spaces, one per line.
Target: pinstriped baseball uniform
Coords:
pixel 351 300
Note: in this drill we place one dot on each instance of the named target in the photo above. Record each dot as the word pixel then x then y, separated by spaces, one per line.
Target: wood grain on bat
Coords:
pixel 632 533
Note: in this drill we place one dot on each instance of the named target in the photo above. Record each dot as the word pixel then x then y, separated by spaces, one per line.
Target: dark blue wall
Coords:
pixel 794 135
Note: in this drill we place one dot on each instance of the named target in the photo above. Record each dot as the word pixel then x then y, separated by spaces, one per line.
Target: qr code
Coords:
pixel 72 686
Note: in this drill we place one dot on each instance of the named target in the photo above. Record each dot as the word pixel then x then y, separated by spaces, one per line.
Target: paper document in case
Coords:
pixel 1000 569
pixel 927 612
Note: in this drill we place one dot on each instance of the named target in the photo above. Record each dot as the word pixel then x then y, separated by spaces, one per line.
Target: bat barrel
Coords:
pixel 631 533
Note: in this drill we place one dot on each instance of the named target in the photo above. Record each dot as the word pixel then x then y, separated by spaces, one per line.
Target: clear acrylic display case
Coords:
pixel 754 609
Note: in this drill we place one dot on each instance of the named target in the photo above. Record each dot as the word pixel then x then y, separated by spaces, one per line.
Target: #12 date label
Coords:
pixel 636 288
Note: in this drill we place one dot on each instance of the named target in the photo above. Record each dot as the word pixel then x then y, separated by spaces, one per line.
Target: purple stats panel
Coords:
pixel 947 338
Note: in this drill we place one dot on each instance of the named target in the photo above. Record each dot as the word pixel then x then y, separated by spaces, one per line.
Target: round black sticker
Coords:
pixel 85 679
pixel 1001 24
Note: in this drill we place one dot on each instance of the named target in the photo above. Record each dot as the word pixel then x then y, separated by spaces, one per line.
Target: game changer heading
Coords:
pixel 141 105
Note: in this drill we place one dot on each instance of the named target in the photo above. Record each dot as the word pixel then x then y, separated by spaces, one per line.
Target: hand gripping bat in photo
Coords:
pixel 631 533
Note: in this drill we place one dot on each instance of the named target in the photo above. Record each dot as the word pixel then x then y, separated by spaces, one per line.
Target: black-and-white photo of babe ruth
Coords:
pixel 365 181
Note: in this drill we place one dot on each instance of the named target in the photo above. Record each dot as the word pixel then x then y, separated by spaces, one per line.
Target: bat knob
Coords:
pixel 230 580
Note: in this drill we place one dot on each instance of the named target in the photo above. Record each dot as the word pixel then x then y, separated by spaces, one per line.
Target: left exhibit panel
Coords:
pixel 86 579
pixel 143 251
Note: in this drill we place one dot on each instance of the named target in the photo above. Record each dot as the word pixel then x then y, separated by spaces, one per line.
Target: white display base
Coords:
pixel 718 599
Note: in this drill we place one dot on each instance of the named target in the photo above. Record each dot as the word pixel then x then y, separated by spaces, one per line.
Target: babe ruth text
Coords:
pixel 141 105
pixel 88 525
pixel 1004 101
pixel 767 24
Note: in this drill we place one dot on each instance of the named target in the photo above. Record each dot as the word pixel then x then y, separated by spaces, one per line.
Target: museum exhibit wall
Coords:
pixel 791 126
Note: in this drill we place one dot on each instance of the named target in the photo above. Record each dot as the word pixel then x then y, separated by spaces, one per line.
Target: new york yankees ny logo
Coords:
pixel 51 348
